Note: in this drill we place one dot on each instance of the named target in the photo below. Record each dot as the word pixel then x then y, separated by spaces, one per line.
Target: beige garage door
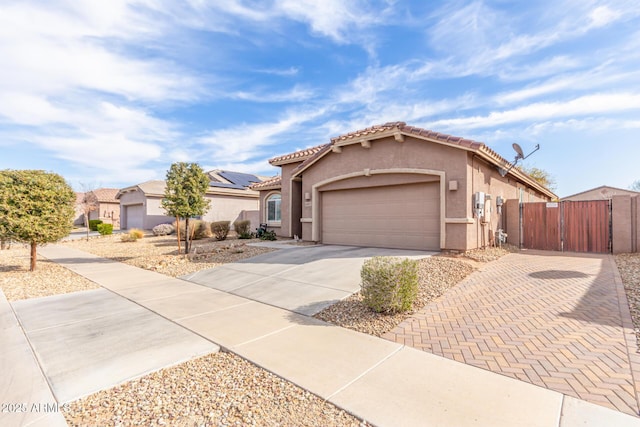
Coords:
pixel 398 216
pixel 134 216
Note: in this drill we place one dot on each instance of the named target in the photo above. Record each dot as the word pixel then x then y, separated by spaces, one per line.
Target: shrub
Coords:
pixel 105 229
pixel 93 224
pixel 137 233
pixel 243 228
pixel 198 229
pixel 201 229
pixel 133 235
pixel 220 229
pixel 389 285
pixel 268 235
pixel 163 229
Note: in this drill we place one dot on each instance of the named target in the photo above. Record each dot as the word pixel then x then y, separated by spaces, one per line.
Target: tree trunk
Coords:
pixel 86 223
pixel 178 232
pixel 187 245
pixel 34 246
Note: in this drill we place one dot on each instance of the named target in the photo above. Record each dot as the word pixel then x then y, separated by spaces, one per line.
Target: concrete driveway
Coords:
pixel 303 279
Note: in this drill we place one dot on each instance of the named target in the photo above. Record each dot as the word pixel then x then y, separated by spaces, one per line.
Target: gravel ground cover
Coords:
pixel 17 282
pixel 436 275
pixel 220 389
pixel 629 268
pixel 160 253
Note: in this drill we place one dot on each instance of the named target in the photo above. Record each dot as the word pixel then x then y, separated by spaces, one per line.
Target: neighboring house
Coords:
pixel 394 186
pixel 603 192
pixel 229 195
pixel 107 207
pixel 79 212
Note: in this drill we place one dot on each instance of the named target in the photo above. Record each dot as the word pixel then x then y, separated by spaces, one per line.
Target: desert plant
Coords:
pixel 201 230
pixel 220 229
pixel 268 235
pixel 243 228
pixel 389 285
pixel 198 229
pixel 93 224
pixel 163 229
pixel 128 238
pixel 105 229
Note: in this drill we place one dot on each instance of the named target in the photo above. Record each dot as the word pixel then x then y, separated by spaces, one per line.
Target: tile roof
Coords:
pixel 106 194
pixel 274 182
pixel 368 131
pixel 403 128
pixel 297 156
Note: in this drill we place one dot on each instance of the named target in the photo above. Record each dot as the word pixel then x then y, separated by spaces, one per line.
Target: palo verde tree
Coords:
pixel 542 176
pixel 186 186
pixel 36 207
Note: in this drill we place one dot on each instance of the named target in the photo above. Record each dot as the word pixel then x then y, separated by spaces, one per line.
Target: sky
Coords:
pixel 110 93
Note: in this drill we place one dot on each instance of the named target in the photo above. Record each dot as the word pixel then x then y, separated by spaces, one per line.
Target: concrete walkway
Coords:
pixel 385 383
pixel 560 321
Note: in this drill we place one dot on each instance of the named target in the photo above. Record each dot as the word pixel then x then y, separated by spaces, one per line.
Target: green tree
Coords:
pixel 635 186
pixel 36 207
pixel 543 177
pixel 186 186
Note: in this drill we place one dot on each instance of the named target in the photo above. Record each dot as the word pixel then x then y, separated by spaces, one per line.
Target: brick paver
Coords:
pixel 555 320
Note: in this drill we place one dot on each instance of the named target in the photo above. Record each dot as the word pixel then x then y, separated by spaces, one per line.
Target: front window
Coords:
pixel 273 208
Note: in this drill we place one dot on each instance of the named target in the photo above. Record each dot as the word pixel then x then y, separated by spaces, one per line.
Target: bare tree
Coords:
pixel 88 203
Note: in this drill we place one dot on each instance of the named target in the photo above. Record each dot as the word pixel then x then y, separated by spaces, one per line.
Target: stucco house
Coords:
pixel 107 207
pixel 229 195
pixel 395 186
pixel 604 192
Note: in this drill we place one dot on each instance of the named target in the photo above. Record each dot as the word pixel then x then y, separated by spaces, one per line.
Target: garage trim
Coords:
pixel 315 209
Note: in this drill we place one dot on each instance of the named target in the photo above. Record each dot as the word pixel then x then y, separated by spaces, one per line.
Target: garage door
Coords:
pixel 398 216
pixel 134 216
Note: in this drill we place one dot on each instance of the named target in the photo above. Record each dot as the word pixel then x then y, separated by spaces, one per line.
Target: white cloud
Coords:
pixel 333 18
pixel 589 104
pixel 602 16
pixel 243 142
pixel 297 94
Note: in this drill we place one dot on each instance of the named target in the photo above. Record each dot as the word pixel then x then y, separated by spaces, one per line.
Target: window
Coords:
pixel 273 208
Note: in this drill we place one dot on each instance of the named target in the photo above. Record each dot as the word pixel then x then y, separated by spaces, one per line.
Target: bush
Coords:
pixel 243 228
pixel 163 229
pixel 389 285
pixel 105 229
pixel 133 235
pixel 198 229
pixel 93 224
pixel 201 229
pixel 268 235
pixel 220 229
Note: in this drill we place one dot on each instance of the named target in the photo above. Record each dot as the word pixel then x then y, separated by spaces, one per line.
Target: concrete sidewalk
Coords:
pixel 382 382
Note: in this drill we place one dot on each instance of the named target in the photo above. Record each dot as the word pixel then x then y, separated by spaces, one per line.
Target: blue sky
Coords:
pixel 111 93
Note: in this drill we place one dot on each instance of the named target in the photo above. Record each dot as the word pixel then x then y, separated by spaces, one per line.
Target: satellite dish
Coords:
pixel 518 150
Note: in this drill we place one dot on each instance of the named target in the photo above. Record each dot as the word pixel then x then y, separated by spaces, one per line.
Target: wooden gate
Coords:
pixel 583 226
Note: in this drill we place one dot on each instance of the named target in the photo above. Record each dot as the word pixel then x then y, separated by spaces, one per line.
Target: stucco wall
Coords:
pixel 229 208
pixel 625 224
pixel 601 193
pixel 486 178
pixel 154 213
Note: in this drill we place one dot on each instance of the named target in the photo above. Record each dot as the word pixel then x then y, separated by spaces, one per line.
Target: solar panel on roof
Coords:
pixel 238 178
pixel 225 185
